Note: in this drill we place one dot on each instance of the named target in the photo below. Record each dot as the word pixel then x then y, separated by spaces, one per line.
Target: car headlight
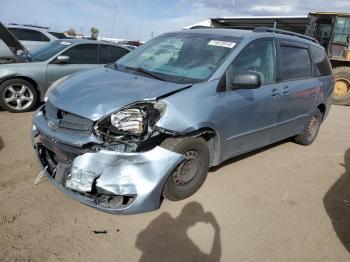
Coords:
pixel 134 120
pixel 53 86
pixel 130 120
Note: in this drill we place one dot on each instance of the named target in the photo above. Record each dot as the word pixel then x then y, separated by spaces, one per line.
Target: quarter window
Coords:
pixel 322 64
pixel 259 57
pixel 295 63
pixel 110 54
pixel 83 54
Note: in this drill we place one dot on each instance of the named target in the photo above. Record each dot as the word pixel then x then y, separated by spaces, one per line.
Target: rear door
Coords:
pixel 81 57
pixel 299 88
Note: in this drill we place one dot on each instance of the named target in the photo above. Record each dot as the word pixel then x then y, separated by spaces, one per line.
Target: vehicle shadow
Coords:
pixel 337 204
pixel 1 143
pixel 166 239
pixel 249 154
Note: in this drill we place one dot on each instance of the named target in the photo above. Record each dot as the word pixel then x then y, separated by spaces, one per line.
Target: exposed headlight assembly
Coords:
pixel 135 120
pixel 131 120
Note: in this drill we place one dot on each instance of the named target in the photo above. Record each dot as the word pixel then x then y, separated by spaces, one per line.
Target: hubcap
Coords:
pixel 342 87
pixel 18 96
pixel 313 127
pixel 187 170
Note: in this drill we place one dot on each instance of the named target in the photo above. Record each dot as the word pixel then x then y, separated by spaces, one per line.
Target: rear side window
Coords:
pixel 295 62
pixel 83 54
pixel 322 64
pixel 110 54
pixel 58 35
pixel 31 35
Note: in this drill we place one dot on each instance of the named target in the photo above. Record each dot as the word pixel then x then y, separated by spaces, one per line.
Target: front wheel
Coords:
pixel 189 175
pixel 309 134
pixel 17 95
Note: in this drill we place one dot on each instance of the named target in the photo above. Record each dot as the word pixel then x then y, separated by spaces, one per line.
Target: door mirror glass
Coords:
pixel 249 80
pixel 62 59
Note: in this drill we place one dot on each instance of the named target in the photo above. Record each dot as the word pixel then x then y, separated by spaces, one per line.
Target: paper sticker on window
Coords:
pixel 222 43
pixel 65 43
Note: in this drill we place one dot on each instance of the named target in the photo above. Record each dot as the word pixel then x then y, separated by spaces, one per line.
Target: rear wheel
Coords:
pixel 188 176
pixel 341 92
pixel 310 132
pixel 18 95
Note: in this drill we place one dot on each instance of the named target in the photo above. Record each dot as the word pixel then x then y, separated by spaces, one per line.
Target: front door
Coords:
pixel 252 113
pixel 81 57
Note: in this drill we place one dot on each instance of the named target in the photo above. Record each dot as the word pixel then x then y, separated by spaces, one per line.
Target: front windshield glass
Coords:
pixel 48 50
pixel 342 30
pixel 181 57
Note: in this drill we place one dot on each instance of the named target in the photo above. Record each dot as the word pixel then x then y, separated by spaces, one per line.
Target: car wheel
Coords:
pixel 309 134
pixel 18 95
pixel 189 175
pixel 341 91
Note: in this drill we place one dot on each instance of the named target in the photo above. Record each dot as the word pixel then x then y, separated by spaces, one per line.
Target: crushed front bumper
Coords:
pixel 115 182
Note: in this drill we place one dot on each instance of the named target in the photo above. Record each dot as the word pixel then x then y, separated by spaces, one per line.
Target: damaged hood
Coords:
pixel 99 92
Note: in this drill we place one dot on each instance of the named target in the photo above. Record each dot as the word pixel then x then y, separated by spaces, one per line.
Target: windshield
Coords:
pixel 48 50
pixel 181 57
pixel 342 30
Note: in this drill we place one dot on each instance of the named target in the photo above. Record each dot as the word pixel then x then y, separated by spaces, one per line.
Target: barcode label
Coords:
pixel 222 43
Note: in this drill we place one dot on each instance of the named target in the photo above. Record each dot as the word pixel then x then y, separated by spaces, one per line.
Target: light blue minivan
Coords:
pixel 120 138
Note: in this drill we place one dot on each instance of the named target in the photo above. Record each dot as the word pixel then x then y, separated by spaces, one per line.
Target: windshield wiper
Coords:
pixel 144 71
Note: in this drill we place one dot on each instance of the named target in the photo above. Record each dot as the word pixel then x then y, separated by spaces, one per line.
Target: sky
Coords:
pixel 141 19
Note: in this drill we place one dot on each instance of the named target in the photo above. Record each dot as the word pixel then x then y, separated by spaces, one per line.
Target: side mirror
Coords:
pixel 62 59
pixel 19 52
pixel 249 80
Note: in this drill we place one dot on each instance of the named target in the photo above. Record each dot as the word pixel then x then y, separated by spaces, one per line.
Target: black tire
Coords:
pixel 21 101
pixel 341 93
pixel 310 132
pixel 198 157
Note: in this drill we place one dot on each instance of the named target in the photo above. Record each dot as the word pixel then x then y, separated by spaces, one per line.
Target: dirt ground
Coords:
pixel 283 203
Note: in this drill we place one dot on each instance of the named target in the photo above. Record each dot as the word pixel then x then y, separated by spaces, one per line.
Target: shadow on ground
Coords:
pixel 337 204
pixel 166 239
pixel 1 143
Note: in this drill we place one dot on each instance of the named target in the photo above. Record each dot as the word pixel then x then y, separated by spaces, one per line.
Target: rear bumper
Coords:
pixel 115 182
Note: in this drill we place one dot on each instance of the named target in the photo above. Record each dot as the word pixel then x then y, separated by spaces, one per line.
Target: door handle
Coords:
pixel 286 90
pixel 275 92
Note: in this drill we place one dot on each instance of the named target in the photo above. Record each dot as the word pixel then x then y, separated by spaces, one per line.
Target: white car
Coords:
pixel 30 36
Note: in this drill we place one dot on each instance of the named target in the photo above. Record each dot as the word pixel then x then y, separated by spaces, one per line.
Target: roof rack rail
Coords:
pixel 284 32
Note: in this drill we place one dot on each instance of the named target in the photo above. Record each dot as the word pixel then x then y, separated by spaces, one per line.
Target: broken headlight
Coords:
pixel 135 120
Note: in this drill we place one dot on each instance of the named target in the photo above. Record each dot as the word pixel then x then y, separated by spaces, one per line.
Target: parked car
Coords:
pixel 119 139
pixel 25 81
pixel 30 36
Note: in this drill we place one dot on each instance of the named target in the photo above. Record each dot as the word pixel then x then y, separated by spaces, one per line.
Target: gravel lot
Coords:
pixel 283 203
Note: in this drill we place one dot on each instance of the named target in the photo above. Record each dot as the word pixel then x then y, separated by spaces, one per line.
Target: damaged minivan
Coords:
pixel 119 138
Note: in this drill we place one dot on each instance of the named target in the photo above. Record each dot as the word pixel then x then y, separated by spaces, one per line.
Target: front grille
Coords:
pixel 67 121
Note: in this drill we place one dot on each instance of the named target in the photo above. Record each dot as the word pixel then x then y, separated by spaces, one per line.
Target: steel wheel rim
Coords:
pixel 18 96
pixel 187 170
pixel 341 87
pixel 313 127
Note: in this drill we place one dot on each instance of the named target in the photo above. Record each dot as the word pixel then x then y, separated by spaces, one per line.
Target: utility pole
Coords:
pixel 114 16
pixel 233 7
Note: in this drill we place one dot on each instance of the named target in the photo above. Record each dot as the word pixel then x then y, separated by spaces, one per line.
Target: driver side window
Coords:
pixel 259 56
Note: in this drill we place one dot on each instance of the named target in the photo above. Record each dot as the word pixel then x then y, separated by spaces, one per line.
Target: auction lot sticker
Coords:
pixel 222 43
